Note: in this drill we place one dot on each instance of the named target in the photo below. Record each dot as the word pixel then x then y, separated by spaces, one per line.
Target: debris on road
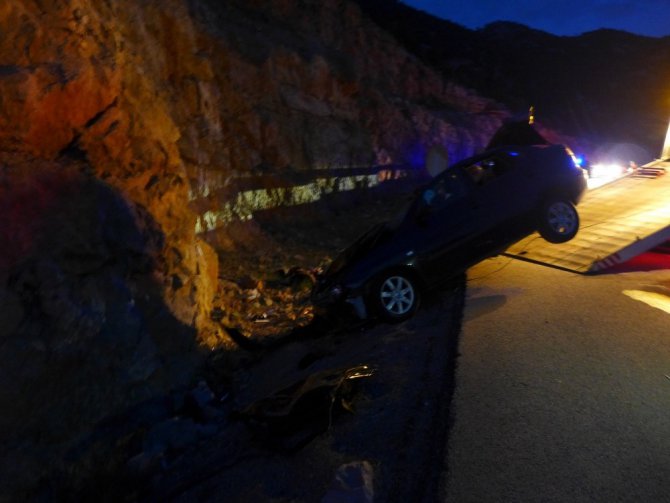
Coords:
pixel 354 482
pixel 292 416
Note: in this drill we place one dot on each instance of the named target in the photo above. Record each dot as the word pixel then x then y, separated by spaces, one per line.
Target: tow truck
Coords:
pixel 620 220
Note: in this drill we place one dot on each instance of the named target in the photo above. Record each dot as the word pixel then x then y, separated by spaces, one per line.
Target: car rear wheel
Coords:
pixel 559 221
pixel 395 296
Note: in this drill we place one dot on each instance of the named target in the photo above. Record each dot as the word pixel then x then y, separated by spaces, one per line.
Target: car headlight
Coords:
pixel 328 294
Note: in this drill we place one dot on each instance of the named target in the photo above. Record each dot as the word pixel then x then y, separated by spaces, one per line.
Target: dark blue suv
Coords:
pixel 473 210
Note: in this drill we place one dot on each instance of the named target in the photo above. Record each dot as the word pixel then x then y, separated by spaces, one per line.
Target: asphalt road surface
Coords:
pixel 562 387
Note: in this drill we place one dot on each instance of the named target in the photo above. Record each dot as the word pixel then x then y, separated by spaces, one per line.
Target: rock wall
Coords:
pixel 89 81
pixel 105 289
pixel 84 328
pixel 305 86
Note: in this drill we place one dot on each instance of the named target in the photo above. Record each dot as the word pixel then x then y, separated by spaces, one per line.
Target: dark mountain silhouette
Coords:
pixel 603 87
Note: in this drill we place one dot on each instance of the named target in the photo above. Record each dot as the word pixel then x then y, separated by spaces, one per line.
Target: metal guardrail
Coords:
pixel 219 206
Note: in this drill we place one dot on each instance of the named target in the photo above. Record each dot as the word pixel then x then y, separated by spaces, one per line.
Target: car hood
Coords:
pixel 359 248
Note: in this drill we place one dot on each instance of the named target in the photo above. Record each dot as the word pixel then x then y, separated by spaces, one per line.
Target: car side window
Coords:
pixel 487 170
pixel 445 190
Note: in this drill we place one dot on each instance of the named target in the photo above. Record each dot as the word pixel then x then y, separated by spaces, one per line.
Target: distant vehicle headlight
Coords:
pixel 611 170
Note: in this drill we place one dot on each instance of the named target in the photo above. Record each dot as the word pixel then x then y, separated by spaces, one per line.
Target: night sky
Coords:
pixel 560 17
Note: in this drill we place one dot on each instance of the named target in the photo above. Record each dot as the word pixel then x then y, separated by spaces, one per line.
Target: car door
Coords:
pixel 503 196
pixel 443 226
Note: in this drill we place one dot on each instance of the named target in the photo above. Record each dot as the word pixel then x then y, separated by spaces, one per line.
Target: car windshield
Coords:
pixel 447 188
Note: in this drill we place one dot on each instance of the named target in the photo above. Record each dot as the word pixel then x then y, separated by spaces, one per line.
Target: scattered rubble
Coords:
pixel 270 306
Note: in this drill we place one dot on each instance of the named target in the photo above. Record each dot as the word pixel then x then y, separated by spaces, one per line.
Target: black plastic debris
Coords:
pixel 291 417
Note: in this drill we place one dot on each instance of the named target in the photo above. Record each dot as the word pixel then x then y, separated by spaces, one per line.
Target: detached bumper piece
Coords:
pixel 291 417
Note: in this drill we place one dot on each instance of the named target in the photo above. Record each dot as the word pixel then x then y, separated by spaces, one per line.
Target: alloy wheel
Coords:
pixel 397 295
pixel 561 217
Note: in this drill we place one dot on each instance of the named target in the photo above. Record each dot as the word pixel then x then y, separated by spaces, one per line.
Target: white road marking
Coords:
pixel 653 299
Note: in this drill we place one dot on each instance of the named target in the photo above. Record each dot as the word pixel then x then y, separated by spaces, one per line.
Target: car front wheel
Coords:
pixel 395 296
pixel 559 221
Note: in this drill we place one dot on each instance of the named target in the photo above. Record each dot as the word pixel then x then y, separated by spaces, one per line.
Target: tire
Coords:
pixel 394 296
pixel 559 221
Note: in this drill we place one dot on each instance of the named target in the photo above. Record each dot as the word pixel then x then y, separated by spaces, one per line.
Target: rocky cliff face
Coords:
pixel 126 129
pixel 306 87
pixel 89 81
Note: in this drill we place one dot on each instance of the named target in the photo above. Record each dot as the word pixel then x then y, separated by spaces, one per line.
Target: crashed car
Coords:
pixel 473 210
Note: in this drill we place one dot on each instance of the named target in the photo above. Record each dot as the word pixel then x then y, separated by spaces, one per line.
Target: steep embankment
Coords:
pixel 125 127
